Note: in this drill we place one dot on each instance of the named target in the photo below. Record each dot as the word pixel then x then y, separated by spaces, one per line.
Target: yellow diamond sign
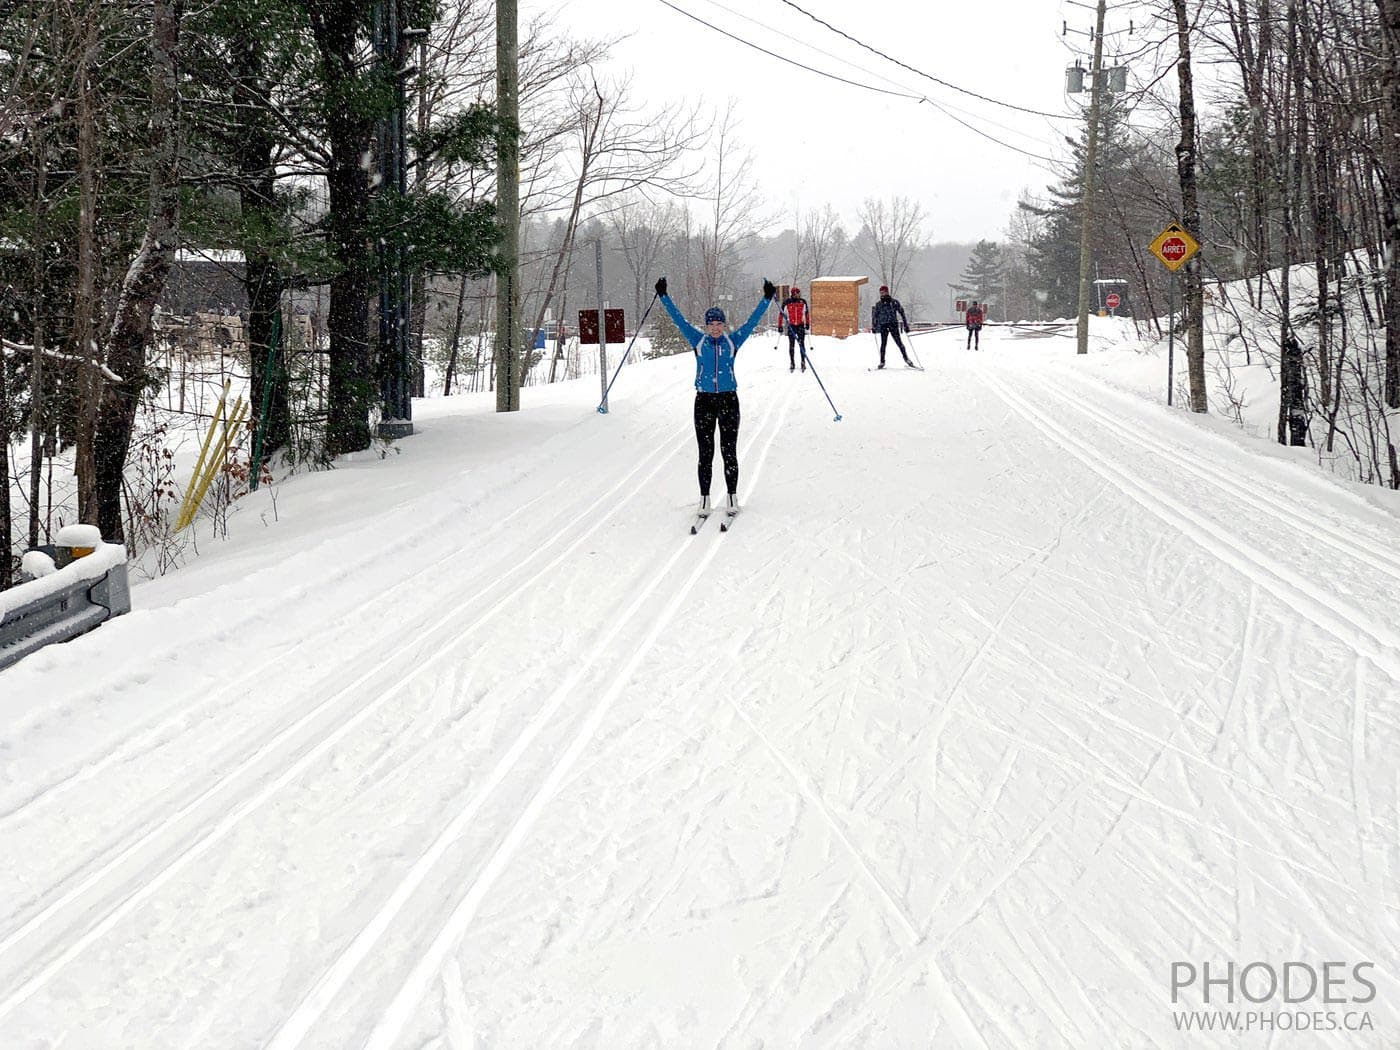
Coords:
pixel 1174 246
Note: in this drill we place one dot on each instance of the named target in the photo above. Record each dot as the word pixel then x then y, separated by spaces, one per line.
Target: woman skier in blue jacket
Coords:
pixel 716 391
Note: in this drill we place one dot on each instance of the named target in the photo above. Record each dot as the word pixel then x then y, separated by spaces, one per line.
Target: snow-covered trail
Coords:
pixel 1005 693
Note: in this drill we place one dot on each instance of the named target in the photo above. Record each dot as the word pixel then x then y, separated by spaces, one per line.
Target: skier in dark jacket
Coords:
pixel 797 318
pixel 976 314
pixel 716 390
pixel 885 318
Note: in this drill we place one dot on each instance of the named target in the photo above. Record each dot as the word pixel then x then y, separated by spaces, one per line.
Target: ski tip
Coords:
pixel 693 530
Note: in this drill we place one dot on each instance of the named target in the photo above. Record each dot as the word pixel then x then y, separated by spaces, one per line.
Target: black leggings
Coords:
pixel 887 330
pixel 797 334
pixel 723 408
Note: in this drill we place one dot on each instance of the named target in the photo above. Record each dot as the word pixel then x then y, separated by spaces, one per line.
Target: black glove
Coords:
pixel 768 290
pixel 906 329
pixel 661 286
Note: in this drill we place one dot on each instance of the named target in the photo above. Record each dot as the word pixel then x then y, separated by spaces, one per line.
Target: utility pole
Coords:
pixel 1087 182
pixel 397 415
pixel 602 325
pixel 507 209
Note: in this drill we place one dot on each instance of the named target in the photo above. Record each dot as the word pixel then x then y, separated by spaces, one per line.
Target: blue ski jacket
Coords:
pixel 714 358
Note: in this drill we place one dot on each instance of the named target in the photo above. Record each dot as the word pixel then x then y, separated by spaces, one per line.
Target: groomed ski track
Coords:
pixel 1009 691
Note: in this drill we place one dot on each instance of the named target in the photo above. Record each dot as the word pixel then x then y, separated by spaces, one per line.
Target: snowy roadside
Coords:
pixel 1002 703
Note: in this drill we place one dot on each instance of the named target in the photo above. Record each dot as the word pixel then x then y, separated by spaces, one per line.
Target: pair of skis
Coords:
pixel 726 515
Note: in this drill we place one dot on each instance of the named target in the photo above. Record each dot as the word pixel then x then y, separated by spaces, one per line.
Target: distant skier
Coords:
pixel 973 318
pixel 798 319
pixel 885 318
pixel 716 391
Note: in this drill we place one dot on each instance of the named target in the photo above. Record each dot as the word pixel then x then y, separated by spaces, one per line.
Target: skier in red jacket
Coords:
pixel 797 318
pixel 976 314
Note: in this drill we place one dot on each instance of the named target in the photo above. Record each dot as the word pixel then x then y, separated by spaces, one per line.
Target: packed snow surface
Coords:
pixel 1005 694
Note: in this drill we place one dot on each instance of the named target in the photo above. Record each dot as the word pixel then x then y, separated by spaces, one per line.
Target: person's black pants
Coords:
pixel 721 408
pixel 797 334
pixel 974 335
pixel 887 330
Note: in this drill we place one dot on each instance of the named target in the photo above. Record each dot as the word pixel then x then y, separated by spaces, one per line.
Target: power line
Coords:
pixel 990 138
pixel 784 58
pixel 920 72
pixel 806 46
pixel 831 76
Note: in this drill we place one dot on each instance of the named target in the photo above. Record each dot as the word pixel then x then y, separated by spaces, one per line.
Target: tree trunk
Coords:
pixel 6 549
pixel 262 278
pixel 456 337
pixel 352 385
pixel 130 333
pixel 88 380
pixel 1190 211
pixel 421 284
pixel 1390 190
pixel 37 417
pixel 1292 416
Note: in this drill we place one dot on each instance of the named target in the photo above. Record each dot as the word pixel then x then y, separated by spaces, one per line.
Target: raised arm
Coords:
pixel 746 329
pixel 692 334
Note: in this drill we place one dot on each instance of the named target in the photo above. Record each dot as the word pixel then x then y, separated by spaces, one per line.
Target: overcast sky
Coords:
pixel 816 141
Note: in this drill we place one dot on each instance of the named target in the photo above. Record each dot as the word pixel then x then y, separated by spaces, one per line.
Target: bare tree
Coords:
pixel 102 448
pixel 822 242
pixel 1190 208
pixel 733 209
pixel 643 230
pixel 617 149
pixel 891 234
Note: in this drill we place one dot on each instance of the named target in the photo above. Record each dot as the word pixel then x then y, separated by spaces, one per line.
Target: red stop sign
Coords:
pixel 1173 248
pixel 1112 300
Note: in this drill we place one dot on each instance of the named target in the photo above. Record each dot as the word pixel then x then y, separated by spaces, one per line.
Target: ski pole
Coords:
pixel 823 386
pixel 603 405
pixel 917 363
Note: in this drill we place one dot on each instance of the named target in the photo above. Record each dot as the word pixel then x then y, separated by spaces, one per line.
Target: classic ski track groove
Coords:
pixel 149 737
pixel 210 832
pixel 365 616
pixel 1344 622
pixel 1242 487
pixel 329 986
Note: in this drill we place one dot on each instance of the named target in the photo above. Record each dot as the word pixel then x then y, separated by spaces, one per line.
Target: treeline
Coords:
pixel 1292 167
pixel 257 129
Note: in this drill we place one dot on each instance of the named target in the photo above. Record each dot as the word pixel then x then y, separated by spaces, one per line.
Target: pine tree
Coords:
pixel 982 279
pixel 1121 212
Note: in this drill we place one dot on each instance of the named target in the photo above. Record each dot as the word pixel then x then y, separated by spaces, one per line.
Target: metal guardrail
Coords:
pixel 1017 329
pixel 64 604
pixel 1038 329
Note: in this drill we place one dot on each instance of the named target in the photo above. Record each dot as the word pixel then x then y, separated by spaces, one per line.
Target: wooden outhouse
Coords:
pixel 835 305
